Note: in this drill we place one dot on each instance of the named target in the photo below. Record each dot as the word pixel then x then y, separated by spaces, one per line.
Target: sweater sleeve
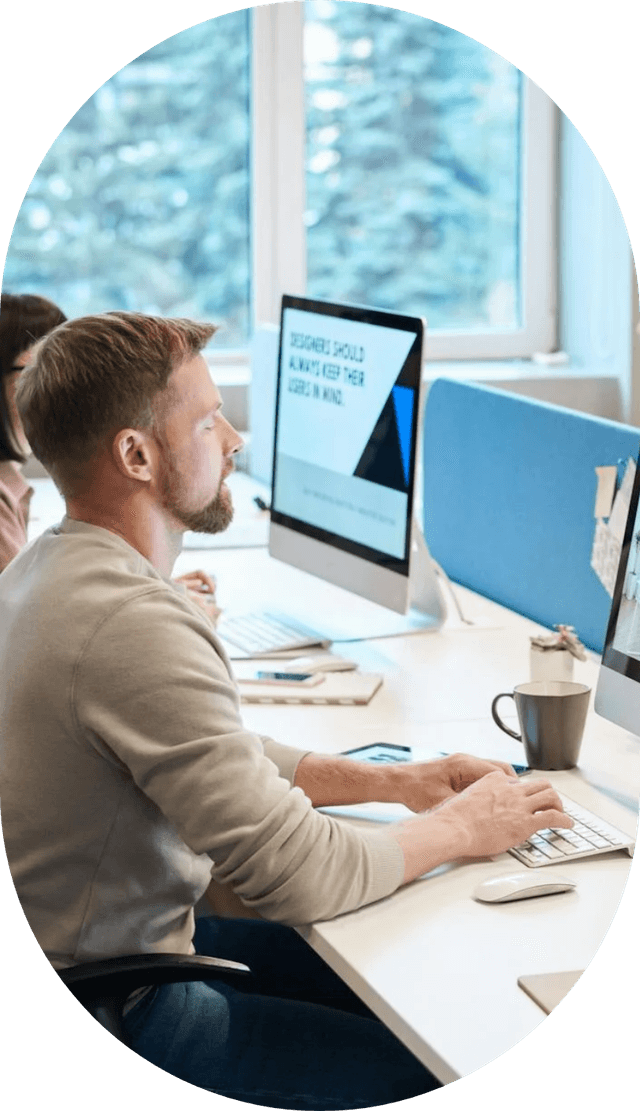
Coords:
pixel 285 758
pixel 152 690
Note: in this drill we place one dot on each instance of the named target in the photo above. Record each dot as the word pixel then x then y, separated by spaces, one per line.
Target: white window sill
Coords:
pixel 585 389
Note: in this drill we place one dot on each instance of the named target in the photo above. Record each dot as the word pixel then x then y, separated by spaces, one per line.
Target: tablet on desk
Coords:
pixel 381 753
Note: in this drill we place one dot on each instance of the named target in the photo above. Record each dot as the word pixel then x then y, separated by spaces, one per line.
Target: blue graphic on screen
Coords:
pixel 403 405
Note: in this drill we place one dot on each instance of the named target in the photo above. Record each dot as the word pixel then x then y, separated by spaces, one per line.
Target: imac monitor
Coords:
pixel 618 691
pixel 344 464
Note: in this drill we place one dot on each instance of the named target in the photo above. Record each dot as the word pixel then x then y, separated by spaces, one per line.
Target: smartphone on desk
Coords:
pixel 282 678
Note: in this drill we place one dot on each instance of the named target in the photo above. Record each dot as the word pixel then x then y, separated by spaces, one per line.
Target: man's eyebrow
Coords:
pixel 212 411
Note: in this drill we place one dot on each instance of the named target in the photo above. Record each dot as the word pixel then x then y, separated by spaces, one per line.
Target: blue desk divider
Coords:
pixel 509 494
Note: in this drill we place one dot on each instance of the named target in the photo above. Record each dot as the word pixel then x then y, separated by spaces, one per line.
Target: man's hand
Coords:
pixel 421 786
pixel 201 588
pixel 498 812
pixel 495 813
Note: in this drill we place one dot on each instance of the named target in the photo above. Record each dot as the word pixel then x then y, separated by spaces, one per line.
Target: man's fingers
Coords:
pixel 545 800
pixel 475 767
pixel 207 583
pixel 547 808
pixel 534 786
pixel 505 768
pixel 552 819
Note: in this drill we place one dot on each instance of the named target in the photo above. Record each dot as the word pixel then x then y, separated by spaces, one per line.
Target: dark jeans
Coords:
pixel 294 1036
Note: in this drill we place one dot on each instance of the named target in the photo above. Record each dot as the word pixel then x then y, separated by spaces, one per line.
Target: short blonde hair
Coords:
pixel 93 376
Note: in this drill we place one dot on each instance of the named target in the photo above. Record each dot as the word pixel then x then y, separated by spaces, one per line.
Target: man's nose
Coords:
pixel 236 442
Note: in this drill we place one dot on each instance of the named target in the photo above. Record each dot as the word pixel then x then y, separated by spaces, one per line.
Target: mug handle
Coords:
pixel 498 720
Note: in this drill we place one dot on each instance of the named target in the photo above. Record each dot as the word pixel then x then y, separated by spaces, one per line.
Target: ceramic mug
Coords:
pixel 552 716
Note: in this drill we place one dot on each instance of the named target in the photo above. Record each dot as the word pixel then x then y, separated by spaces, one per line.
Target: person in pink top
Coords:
pixel 24 318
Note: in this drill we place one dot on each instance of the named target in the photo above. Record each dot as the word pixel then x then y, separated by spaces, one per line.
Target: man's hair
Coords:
pixel 96 375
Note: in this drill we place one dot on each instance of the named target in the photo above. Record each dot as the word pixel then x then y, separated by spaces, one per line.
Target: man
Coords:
pixel 129 779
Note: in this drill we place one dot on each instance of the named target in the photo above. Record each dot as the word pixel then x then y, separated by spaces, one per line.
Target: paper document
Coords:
pixel 605 493
pixel 609 534
pixel 620 509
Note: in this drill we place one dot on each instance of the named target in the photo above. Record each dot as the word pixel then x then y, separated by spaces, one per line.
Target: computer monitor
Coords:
pixel 618 690
pixel 344 460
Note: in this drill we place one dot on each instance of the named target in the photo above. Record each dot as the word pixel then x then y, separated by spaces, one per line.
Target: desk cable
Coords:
pixel 440 571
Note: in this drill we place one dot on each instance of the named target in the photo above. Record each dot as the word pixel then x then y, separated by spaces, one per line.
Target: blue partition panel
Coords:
pixel 509 493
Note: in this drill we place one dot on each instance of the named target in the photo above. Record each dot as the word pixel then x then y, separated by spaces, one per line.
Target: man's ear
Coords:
pixel 133 454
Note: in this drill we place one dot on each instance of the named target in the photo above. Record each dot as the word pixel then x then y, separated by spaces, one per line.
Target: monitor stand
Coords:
pixel 428 608
pixel 360 619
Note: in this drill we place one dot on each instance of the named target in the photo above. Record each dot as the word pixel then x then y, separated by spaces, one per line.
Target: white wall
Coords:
pixel 595 269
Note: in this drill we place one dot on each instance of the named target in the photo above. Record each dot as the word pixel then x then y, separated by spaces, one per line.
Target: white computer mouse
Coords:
pixel 521 885
pixel 326 662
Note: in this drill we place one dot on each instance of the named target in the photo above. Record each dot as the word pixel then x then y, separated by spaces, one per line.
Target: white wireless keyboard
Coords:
pixel 589 836
pixel 260 634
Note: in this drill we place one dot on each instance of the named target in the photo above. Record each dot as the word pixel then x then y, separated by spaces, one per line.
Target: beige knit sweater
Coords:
pixel 127 778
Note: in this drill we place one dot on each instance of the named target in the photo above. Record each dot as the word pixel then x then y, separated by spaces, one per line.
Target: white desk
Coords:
pixel 438 968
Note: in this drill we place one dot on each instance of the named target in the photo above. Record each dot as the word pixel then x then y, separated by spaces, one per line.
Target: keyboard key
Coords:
pixel 530 854
pixel 551 850
pixel 564 847
pixel 578 842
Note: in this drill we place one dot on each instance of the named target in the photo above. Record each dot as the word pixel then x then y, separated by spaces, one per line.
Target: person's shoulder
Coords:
pixel 82 575
pixel 12 485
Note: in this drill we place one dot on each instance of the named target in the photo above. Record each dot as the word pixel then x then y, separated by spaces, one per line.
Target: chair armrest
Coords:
pixel 122 975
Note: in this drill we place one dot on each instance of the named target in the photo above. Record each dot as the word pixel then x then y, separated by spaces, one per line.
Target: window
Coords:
pixel 143 201
pixel 350 151
pixel 412 154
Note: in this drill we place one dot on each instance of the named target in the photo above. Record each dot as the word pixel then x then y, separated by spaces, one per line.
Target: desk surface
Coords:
pixel 430 961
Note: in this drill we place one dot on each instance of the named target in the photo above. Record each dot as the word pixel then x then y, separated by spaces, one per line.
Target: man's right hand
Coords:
pixel 495 813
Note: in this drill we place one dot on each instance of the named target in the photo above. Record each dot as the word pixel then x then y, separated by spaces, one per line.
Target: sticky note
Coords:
pixel 620 510
pixel 606 490
pixel 605 556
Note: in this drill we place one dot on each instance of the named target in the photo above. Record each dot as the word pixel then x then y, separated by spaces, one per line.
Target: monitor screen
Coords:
pixel 618 693
pixel 347 409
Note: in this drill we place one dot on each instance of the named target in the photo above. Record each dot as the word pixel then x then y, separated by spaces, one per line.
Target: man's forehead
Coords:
pixel 194 386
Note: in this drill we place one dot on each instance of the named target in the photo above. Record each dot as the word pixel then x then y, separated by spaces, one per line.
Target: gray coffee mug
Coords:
pixel 552 716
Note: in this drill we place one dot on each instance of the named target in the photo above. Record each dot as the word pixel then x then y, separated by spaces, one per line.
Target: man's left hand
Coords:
pixel 422 786
pixel 201 588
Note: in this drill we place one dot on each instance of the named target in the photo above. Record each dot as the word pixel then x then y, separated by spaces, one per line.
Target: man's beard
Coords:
pixel 216 516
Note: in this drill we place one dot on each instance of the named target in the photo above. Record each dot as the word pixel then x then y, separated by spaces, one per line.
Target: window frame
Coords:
pixel 278 184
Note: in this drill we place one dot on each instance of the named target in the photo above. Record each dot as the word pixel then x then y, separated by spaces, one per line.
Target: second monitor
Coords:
pixel 344 464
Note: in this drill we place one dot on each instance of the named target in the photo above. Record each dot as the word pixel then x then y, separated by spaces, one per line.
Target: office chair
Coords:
pixel 103 987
